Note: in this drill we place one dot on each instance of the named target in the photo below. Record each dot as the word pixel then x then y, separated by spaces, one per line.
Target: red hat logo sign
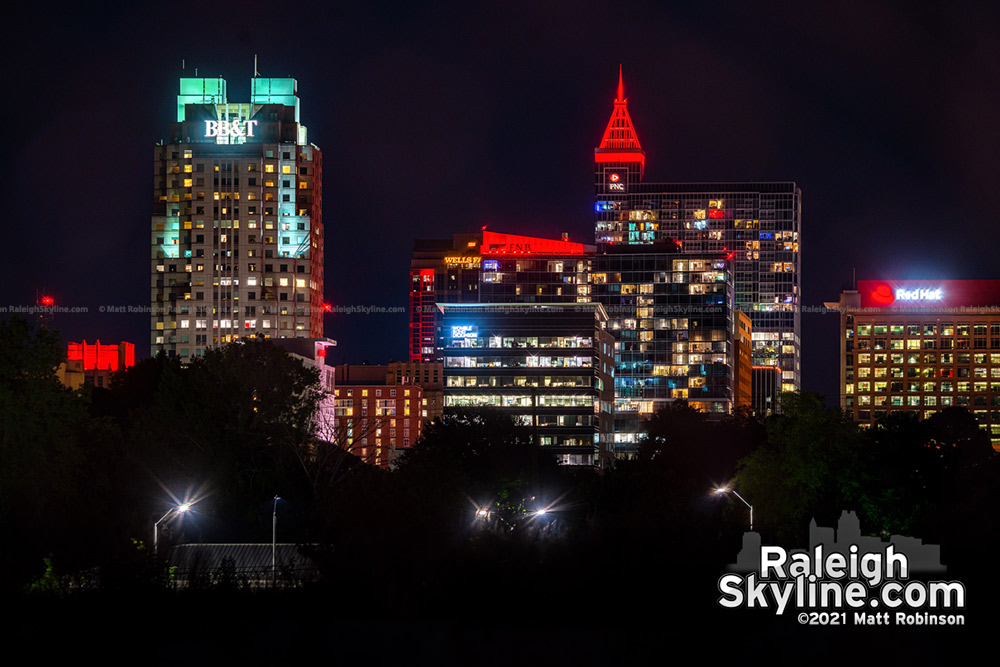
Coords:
pixel 883 295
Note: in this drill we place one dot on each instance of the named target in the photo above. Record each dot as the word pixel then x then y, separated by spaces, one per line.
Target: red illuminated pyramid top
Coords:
pixel 620 143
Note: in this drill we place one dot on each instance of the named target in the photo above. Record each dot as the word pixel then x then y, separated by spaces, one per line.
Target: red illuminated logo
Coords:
pixel 883 294
pixel 614 178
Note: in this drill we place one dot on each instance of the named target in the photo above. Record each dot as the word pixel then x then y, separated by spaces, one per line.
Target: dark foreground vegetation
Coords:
pixel 623 566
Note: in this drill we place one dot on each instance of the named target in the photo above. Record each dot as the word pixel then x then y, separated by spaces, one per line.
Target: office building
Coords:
pixel 758 222
pixel 490 267
pixel 921 346
pixel 548 365
pixel 237 228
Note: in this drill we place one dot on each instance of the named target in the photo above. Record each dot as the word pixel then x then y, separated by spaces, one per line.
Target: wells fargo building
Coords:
pixel 237 229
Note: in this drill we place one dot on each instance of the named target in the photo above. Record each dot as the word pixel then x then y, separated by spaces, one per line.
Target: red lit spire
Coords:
pixel 620 143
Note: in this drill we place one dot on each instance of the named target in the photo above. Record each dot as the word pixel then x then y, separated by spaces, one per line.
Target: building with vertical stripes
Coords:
pixel 237 227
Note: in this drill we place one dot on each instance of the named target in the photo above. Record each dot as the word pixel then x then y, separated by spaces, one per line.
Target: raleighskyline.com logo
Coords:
pixel 853 579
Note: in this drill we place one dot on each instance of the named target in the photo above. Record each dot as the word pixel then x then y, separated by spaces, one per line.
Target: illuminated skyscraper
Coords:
pixel 237 227
pixel 757 222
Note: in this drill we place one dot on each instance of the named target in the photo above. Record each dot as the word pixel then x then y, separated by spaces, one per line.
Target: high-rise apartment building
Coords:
pixel 759 223
pixel 237 227
pixel 672 318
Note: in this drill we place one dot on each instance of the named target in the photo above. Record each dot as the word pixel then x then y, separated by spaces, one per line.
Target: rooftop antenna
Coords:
pixel 182 63
pixel 255 73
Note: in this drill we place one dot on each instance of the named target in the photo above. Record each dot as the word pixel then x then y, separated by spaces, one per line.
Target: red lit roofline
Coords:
pixel 620 157
pixel 495 244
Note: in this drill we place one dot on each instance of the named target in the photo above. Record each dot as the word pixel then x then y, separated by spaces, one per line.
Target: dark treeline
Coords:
pixel 83 476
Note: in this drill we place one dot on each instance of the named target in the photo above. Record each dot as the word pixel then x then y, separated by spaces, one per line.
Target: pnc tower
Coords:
pixel 759 223
pixel 237 228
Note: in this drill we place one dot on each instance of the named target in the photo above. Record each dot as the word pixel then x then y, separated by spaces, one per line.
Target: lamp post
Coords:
pixel 726 489
pixel 179 509
pixel 274 542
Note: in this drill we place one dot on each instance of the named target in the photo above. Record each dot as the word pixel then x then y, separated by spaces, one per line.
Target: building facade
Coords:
pixel 758 222
pixel 921 346
pixel 375 420
pixel 742 362
pixel 429 375
pixel 237 227
pixel 549 366
pixel 671 314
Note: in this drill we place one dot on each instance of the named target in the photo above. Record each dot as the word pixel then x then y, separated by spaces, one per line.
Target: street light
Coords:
pixel 726 489
pixel 274 542
pixel 179 509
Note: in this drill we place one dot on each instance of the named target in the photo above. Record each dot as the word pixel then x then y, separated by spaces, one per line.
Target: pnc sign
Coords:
pixel 229 128
pixel 615 183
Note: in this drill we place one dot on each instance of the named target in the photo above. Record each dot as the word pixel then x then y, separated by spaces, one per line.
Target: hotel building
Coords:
pixel 921 346
pixel 758 222
pixel 237 229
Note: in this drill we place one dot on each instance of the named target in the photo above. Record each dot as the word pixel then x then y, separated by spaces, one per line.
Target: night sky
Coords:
pixel 439 118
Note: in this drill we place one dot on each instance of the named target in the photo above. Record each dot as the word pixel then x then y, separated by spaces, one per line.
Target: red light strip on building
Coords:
pixel 495 244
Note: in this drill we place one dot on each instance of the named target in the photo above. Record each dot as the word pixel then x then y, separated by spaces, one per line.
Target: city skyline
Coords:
pixel 878 113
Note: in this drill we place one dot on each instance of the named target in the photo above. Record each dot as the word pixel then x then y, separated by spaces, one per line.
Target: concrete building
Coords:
pixel 237 227
pixel 920 346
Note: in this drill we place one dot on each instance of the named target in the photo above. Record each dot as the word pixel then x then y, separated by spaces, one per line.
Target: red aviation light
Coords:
pixel 327 307
pixel 48 301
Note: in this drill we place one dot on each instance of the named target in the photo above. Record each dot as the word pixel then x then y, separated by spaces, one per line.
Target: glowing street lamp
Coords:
pixel 179 509
pixel 726 489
